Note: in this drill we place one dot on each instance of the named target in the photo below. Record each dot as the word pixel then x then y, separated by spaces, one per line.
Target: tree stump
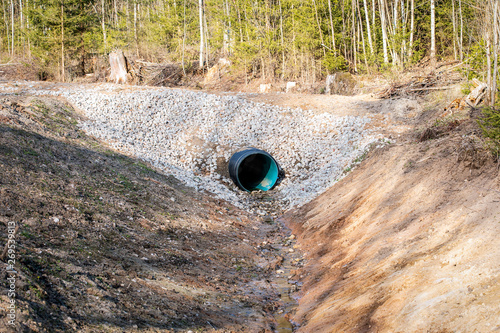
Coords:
pixel 340 84
pixel 119 68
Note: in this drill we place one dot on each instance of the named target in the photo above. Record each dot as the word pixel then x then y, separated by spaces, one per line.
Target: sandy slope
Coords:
pixel 408 242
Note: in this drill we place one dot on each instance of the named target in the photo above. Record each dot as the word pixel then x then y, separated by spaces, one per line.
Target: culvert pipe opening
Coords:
pixel 255 169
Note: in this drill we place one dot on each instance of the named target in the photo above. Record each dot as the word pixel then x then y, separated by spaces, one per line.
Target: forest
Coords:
pixel 300 40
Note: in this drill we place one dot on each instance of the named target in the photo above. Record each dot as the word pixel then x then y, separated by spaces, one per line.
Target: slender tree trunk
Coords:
pixel 267 20
pixel 404 17
pixel 368 30
pixel 12 26
pixel 227 24
pixel 395 29
pixel 319 26
pixel 115 7
pixel 384 31
pixel 282 43
pixel 135 30
pixel 184 38
pixel 246 24
pixel 104 27
pixel 63 74
pixel 127 14
pixel 267 17
pixel 455 37
pixel 360 28
pixel 344 29
pixel 412 28
pixel 230 32
pixel 293 42
pixel 373 22
pixel 28 28
pixel 207 36
pixel 488 63
pixel 433 33
pixel 6 26
pixel 354 41
pixel 202 43
pixel 495 53
pixel 331 26
pixel 239 23
pixel 461 44
pixel 21 21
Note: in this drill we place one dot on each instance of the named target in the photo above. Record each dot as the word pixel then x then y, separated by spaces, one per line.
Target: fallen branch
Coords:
pixel 432 88
pixel 10 64
pixel 419 85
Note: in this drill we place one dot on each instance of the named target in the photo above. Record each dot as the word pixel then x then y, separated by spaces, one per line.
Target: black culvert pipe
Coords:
pixel 254 169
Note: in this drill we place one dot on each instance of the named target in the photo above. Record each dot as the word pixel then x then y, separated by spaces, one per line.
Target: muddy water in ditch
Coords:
pixel 284 279
pixel 286 284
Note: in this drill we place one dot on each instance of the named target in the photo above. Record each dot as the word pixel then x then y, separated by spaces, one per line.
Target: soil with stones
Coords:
pixel 106 243
pixel 406 242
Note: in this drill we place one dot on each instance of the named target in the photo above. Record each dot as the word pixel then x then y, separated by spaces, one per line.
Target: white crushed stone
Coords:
pixel 185 133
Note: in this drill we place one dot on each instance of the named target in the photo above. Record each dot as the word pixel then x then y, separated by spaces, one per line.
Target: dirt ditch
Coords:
pixel 107 243
pixel 406 242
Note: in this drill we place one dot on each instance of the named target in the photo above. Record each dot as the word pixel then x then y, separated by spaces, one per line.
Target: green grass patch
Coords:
pixel 490 125
pixel 143 168
pixel 31 152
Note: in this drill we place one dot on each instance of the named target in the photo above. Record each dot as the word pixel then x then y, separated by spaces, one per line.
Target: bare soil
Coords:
pixel 407 242
pixel 108 244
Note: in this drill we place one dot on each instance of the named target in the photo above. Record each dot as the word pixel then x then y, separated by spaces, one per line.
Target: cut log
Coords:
pixel 476 96
pixel 119 68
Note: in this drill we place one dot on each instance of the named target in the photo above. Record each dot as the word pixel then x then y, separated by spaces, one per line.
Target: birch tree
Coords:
pixel 63 73
pixel 202 42
pixel 331 26
pixel 12 26
pixel 368 30
pixel 104 26
pixel 433 34
pixel 384 30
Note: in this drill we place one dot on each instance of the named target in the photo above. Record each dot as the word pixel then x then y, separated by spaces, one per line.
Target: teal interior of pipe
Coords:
pixel 270 179
pixel 258 172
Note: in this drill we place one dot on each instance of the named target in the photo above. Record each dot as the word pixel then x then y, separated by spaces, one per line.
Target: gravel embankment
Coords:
pixel 192 135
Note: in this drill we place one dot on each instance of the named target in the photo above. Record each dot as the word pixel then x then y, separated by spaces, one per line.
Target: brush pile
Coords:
pixel 441 78
pixel 154 74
